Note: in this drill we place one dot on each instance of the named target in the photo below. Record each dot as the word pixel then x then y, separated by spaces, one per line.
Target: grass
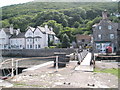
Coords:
pixel 113 71
pixel 20 84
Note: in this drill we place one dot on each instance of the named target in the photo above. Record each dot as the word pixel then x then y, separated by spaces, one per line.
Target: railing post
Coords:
pixel 16 67
pixel 12 68
pixel 56 63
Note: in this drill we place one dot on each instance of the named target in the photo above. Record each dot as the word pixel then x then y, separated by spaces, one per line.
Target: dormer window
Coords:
pixel 110 27
pixel 99 27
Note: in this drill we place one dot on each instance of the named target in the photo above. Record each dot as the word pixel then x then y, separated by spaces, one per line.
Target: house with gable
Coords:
pixel 42 35
pixel 17 41
pixel 33 38
pixel 5 34
pixel 29 38
pixel 105 34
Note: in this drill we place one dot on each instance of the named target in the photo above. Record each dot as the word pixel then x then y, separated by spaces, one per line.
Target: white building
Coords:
pixel 33 38
pixel 17 41
pixel 5 34
pixel 29 37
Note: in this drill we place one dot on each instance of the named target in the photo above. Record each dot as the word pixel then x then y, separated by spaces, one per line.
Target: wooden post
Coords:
pixel 12 68
pixel 56 63
pixel 94 60
pixel 16 67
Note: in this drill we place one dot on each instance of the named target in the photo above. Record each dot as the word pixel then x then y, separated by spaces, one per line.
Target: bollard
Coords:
pixel 56 63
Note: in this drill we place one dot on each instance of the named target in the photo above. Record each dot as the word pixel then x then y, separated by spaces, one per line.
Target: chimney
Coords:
pixel 11 29
pixel 17 31
pixel 46 28
pixel 104 14
pixel 51 29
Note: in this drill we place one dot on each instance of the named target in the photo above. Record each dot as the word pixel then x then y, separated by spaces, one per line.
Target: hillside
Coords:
pixel 64 17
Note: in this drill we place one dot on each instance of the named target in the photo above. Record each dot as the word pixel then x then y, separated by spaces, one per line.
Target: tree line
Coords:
pixel 67 19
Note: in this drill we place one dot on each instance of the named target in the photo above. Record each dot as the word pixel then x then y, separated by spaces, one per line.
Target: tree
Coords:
pixel 56 26
pixel 76 24
pixel 5 23
pixel 65 41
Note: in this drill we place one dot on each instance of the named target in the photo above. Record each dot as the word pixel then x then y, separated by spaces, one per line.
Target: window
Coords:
pixel 83 40
pixel 36 39
pixel 30 46
pixel 111 36
pixel 29 33
pixel 109 27
pixel 30 40
pixel 100 36
pixel 99 27
pixel 20 46
pixel 38 46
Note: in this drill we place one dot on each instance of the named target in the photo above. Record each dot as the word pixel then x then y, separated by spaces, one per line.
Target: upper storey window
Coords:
pixel 100 36
pixel 99 27
pixel 109 27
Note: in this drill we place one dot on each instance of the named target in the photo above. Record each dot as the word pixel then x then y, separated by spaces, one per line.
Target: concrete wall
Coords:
pixel 36 53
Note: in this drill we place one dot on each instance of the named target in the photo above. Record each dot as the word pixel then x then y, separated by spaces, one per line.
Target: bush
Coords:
pixel 52 47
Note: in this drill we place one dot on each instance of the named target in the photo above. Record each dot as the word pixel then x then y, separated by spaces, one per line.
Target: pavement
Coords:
pixel 68 77
pixel 6 84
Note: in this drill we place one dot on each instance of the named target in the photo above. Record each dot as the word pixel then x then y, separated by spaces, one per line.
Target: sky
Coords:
pixel 11 2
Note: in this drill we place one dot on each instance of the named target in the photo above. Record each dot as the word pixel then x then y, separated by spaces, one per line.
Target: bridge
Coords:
pixel 84 58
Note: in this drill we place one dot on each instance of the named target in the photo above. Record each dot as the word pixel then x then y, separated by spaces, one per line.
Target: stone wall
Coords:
pixel 36 53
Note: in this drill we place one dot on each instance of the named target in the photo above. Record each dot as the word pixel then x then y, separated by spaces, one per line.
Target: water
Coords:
pixel 22 64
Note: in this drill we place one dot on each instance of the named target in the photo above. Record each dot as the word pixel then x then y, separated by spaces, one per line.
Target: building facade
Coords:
pixel 118 32
pixel 33 38
pixel 83 40
pixel 5 34
pixel 105 34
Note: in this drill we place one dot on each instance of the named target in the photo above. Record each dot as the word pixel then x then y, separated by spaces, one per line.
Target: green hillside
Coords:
pixel 65 17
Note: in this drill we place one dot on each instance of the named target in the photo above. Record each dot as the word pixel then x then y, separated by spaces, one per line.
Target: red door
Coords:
pixel 109 48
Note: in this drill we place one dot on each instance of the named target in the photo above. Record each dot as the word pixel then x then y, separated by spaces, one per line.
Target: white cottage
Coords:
pixel 33 38
pixel 37 38
pixel 5 34
pixel 29 38
pixel 17 41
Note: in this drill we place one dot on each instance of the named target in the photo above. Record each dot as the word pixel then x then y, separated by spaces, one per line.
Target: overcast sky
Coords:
pixel 10 2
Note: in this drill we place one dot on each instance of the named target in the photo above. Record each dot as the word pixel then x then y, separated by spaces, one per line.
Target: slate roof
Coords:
pixel 43 30
pixel 105 21
pixel 7 30
pixel 20 35
pixel 31 28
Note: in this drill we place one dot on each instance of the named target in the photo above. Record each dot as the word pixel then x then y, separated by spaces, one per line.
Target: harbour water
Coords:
pixel 23 63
